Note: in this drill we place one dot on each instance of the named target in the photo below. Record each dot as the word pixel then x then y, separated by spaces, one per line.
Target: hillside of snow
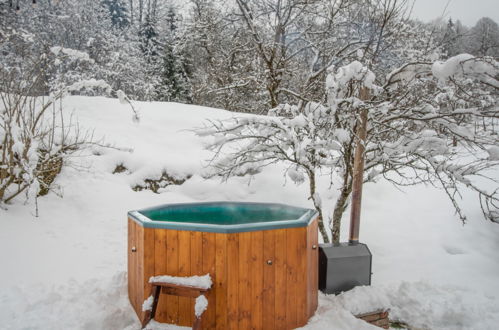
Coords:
pixel 66 268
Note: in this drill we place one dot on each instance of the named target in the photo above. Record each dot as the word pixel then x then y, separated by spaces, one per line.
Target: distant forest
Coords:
pixel 240 55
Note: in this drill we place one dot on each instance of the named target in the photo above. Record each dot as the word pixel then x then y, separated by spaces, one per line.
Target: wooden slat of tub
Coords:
pixel 148 255
pixel 209 258
pixel 132 267
pixel 281 271
pixel 172 270
pixel 196 253
pixel 244 292
pixel 160 269
pixel 233 281
pixel 301 251
pixel 269 280
pixel 221 281
pixel 185 304
pixel 196 256
pixel 140 269
pixel 292 239
pixel 315 272
pixel 312 268
pixel 135 271
pixel 257 279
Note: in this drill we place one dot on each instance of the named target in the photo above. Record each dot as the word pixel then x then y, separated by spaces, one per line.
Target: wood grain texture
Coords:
pixel 132 265
pixel 268 293
pixel 293 287
pixel 221 281
pixel 160 269
pixel 281 287
pixel 301 278
pixel 209 258
pixel 257 263
pixel 182 292
pixel 244 289
pixel 232 281
pixel 185 304
pixel 196 253
pixel 312 268
pixel 172 252
pixel 196 258
pixel 140 270
pixel 247 292
pixel 148 255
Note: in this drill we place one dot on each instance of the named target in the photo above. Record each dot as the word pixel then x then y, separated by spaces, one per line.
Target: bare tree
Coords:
pixel 408 135
pixel 297 40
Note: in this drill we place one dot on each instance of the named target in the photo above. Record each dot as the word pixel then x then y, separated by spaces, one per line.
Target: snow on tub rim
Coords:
pixel 223 217
pixel 262 257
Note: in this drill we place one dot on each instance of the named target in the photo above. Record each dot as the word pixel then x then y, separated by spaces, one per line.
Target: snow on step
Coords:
pixel 201 305
pixel 203 282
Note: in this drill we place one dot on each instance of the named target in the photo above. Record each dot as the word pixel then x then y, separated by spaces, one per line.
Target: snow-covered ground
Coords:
pixel 66 269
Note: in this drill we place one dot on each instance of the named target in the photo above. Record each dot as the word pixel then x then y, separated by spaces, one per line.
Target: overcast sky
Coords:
pixel 467 11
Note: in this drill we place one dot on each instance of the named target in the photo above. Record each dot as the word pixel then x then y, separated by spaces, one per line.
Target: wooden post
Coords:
pixel 198 323
pixel 358 171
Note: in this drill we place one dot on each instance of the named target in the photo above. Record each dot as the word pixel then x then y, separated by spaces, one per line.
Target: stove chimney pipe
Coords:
pixel 358 171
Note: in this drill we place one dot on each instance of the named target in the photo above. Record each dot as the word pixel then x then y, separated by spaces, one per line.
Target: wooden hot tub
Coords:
pixel 262 259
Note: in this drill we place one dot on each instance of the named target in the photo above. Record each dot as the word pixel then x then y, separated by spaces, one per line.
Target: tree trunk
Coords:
pixel 274 79
pixel 317 205
pixel 346 189
pixel 272 89
pixel 131 12
pixel 340 207
pixel 154 9
pixel 141 11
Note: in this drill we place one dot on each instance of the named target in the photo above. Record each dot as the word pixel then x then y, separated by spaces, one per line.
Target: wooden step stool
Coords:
pixel 174 290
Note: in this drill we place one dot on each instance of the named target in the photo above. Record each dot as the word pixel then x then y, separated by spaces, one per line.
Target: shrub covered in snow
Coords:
pixel 36 137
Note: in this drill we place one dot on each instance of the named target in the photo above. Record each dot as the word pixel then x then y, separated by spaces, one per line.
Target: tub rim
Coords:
pixel 308 216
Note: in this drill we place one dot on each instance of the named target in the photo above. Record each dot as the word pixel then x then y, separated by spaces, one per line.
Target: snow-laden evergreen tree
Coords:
pixel 450 38
pixel 174 85
pixel 151 48
pixel 172 21
pixel 149 41
pixel 118 13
